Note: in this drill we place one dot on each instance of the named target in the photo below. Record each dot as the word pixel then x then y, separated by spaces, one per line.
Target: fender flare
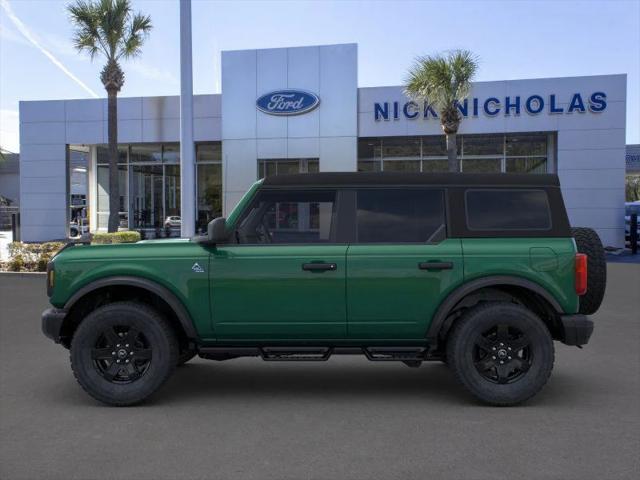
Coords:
pixel 440 318
pixel 164 293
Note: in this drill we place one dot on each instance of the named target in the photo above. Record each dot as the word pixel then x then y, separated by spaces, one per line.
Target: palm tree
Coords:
pixel 111 29
pixel 444 81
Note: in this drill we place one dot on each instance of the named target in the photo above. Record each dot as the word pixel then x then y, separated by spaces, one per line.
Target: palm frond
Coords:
pixel 442 80
pixel 139 29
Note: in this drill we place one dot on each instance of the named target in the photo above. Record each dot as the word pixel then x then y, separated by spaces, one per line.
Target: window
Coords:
pixel 282 217
pixel 287 166
pixel 507 210
pixel 208 183
pixel 494 153
pixel 399 216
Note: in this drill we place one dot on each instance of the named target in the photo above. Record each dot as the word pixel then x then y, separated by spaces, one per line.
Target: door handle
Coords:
pixel 435 265
pixel 319 267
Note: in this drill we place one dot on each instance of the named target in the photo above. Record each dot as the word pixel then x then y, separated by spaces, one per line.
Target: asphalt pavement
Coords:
pixel 344 419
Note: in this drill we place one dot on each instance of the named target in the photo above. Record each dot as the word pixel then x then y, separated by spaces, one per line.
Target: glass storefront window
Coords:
pixel 144 153
pixel 435 166
pixel 208 183
pixel 171 153
pixel 146 196
pixel 103 154
pixel 171 191
pixel 482 145
pixel 366 166
pixel 209 152
pixel 401 165
pixel 526 145
pixel 209 193
pixel 286 166
pixel 526 165
pixel 522 152
pixel 435 146
pixel 481 165
pixel 401 148
pixel 103 195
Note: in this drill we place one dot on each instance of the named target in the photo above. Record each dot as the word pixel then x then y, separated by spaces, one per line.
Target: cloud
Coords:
pixel 24 30
pixel 151 72
pixel 9 130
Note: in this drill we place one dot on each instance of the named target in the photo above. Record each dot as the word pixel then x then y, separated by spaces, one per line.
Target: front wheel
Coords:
pixel 123 352
pixel 501 352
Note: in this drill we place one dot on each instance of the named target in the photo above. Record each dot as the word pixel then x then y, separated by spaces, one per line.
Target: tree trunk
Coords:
pixel 452 153
pixel 114 181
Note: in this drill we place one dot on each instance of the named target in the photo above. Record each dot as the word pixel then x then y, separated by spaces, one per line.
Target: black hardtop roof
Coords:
pixel 401 178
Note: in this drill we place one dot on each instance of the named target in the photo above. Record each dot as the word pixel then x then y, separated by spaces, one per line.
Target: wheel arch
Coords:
pixel 514 287
pixel 92 295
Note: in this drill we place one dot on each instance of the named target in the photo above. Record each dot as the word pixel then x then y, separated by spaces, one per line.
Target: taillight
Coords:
pixel 581 273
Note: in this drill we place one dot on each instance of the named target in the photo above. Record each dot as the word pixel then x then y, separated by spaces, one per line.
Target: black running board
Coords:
pixel 317 353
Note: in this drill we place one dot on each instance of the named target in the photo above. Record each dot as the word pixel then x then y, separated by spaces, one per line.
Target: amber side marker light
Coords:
pixel 581 273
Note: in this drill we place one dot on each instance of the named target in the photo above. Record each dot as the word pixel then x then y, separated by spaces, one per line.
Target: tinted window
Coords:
pixel 399 216
pixel 290 217
pixel 507 210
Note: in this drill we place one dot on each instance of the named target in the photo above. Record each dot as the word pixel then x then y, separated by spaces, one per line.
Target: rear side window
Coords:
pixel 502 209
pixel 399 216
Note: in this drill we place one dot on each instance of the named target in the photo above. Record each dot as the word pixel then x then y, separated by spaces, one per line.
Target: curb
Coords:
pixel 22 274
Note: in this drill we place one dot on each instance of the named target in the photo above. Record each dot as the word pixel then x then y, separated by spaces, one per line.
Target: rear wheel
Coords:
pixel 123 352
pixel 501 352
pixel 588 242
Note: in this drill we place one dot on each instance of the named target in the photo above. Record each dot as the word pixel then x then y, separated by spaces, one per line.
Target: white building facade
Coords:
pixel 291 110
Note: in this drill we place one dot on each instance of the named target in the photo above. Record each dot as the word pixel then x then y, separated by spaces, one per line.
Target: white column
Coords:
pixel 187 147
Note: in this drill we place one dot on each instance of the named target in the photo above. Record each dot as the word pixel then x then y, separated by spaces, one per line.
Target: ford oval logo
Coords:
pixel 287 102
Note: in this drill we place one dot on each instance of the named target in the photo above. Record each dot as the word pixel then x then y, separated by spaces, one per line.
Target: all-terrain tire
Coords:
pixel 138 338
pixel 588 242
pixel 478 368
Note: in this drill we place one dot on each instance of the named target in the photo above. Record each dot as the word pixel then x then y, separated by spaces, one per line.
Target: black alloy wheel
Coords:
pixel 122 354
pixel 502 354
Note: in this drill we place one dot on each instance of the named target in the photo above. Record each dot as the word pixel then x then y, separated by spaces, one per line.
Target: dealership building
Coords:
pixel 290 110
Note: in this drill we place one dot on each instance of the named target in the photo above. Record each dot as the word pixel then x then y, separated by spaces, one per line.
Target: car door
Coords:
pixel 401 264
pixel 285 278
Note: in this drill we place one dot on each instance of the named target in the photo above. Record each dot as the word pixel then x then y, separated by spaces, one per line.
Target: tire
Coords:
pixel 185 356
pixel 588 242
pixel 112 368
pixel 480 336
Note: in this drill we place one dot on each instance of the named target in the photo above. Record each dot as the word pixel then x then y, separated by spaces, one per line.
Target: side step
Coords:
pixel 409 355
pixel 395 354
pixel 293 354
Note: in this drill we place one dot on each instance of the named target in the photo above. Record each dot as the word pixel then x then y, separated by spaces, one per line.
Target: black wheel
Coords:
pixel 588 242
pixel 123 352
pixel 501 352
pixel 185 355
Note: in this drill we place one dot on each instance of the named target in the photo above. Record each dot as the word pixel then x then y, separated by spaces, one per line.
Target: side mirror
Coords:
pixel 217 230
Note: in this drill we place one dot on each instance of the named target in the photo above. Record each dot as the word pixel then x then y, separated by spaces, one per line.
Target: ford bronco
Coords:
pixel 482 272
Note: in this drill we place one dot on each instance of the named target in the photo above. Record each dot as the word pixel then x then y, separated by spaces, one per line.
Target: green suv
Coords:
pixel 482 272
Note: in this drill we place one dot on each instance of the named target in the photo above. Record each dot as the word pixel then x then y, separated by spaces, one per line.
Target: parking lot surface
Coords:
pixel 345 418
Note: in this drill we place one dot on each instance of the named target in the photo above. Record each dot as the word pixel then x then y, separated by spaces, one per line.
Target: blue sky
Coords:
pixel 514 39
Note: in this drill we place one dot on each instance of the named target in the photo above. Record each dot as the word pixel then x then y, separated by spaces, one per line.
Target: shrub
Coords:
pixel 31 257
pixel 126 237
pixel 116 237
pixel 101 238
pixel 16 263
